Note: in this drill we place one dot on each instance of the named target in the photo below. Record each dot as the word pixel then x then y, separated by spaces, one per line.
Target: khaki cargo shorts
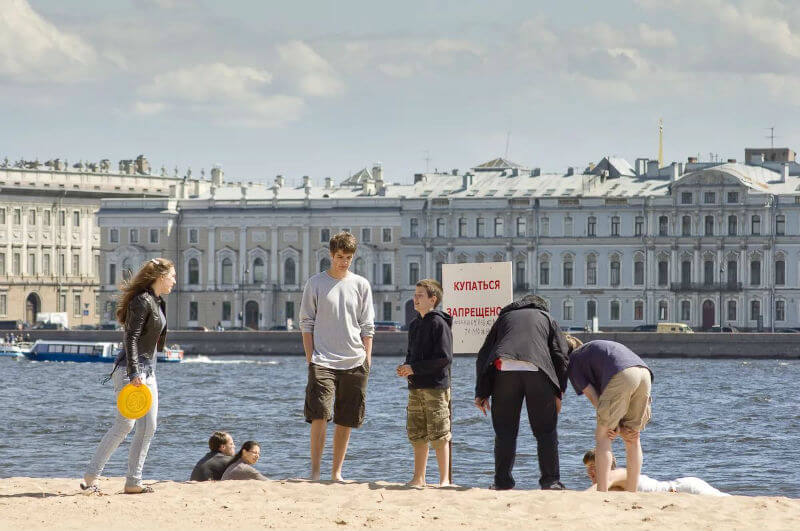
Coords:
pixel 428 417
pixel 625 401
pixel 340 394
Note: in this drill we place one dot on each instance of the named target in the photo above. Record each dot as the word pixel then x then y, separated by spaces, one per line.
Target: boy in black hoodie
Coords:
pixel 427 367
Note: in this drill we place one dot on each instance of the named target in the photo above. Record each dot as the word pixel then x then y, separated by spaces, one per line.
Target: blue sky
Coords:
pixel 323 88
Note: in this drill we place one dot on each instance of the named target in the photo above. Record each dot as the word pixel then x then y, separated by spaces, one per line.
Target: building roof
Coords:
pixel 499 164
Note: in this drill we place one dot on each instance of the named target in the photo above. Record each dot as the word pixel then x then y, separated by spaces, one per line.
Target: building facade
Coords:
pixel 707 244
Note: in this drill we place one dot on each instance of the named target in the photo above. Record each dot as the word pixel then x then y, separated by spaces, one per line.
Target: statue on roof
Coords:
pixel 163 171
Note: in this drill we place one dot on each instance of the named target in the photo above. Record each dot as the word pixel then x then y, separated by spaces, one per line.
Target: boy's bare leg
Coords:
pixel 633 459
pixel 341 437
pixel 602 457
pixel 420 465
pixel 443 458
pixel 319 429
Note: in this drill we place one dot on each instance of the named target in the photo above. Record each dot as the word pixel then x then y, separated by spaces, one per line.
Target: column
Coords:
pixel 212 256
pixel 305 259
pixel 273 262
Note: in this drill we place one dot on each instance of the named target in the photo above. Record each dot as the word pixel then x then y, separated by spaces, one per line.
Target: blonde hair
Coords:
pixel 150 271
pixel 573 343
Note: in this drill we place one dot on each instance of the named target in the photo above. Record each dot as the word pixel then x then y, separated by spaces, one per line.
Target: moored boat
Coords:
pixel 77 351
pixel 8 350
pixel 173 354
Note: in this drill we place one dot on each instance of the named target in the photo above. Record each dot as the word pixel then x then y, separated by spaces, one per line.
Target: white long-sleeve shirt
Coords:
pixel 339 313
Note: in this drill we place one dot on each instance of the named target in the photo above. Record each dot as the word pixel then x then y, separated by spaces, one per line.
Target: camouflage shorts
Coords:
pixel 428 416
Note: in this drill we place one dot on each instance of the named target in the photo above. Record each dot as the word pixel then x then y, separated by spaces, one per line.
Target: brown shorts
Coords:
pixel 625 401
pixel 342 391
pixel 428 417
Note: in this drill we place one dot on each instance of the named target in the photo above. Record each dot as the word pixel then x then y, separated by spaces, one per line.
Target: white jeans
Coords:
pixel 145 429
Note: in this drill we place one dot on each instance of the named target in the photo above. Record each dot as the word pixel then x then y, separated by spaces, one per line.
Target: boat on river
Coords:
pixel 9 350
pixel 90 351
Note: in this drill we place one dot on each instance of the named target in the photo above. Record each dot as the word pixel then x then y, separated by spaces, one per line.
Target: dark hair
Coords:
pixel 343 241
pixel 247 445
pixel 589 457
pixel 218 438
pixel 432 288
pixel 150 271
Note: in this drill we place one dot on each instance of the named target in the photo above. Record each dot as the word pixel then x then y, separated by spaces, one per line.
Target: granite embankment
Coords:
pixel 699 345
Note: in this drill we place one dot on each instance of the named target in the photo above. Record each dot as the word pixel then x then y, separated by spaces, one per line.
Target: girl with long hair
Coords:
pixel 241 466
pixel 142 312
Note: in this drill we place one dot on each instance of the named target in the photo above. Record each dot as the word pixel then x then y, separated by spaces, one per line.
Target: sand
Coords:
pixel 36 503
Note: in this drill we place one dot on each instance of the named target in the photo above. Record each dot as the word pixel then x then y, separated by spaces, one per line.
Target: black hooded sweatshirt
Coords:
pixel 430 351
pixel 523 331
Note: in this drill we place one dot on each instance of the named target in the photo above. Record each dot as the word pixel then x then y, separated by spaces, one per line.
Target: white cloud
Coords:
pixel 656 38
pixel 314 75
pixel 33 49
pixel 397 71
pixel 227 94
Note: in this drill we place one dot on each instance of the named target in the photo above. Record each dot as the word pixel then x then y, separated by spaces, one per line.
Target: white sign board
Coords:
pixel 473 295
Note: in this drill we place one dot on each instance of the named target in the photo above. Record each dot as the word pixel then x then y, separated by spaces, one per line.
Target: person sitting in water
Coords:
pixel 214 463
pixel 688 485
pixel 241 466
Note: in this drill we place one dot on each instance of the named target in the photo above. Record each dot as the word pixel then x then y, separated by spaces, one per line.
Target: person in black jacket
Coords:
pixel 143 313
pixel 524 357
pixel 427 367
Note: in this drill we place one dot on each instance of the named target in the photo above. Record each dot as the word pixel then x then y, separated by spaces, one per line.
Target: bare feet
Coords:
pixel 337 477
pixel 315 476
pixel 445 484
pixel 416 482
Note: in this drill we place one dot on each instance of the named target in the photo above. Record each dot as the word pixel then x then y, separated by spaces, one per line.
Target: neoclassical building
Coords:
pixel 697 242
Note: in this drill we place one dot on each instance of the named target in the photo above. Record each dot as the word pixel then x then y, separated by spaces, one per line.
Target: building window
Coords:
pixel 324 265
pixel 731 310
pixel 755 310
pixel 387 274
pixel 755 225
pixel 638 273
pixel 193 236
pixel 614 310
pixel 2 264
pixel 439 272
pixel 133 237
pixel 227 311
pixel 76 265
pixel 46 220
pixel 2 216
pixel 153 235
pixel 413 228
pixel 568 267
pixel 227 271
pixel 568 226
pixel 387 310
pixel 638 311
pixel 462 227
pixel 709 198
pixel 591 310
pixel 732 225
pixel 755 273
pixel 387 235
pixel 663 311
pixel 46 270
pixel 62 302
pixel 780 310
pixel 358 266
pixel 3 304
pixel 480 228
pixel 194 272
pixel 638 228
pixel 591 226
pixel 31 263
pixel 17 216
pixel 32 216
pixel 663 225
pixel 733 197
pixel 686 311
pixel 193 310
pixel 686 226
pixel 544 273
pixel 732 271
pixel 544 227
pixel 76 219
pixel 413 273
pixel 780 225
pixel 76 305
pixel 440 228
pixel 325 235
pixel 568 310
pixel 113 236
pixel 591 271
pixel 615 225
pixel 289 307
pixel 686 272
pixel 62 264
pixel 709 225
pixel 686 198
pixel 289 276
pixel 112 274
pixel 780 272
pixel 521 222
pixel 258 271
pixel 614 273
pixel 708 272
pixel 521 280
pixel 663 272
pixel 366 235
pixel 499 228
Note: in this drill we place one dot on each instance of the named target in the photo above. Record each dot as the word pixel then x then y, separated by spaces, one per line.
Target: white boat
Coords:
pixel 79 351
pixel 8 350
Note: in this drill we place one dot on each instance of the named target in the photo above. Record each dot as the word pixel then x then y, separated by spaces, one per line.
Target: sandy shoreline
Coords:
pixel 45 503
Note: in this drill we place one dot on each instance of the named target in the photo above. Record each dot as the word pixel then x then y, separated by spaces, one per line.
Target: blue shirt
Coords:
pixel 596 362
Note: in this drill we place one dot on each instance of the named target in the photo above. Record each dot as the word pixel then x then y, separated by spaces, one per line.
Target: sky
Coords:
pixel 325 88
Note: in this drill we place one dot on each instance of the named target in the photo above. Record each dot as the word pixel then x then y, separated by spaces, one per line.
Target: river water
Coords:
pixel 734 423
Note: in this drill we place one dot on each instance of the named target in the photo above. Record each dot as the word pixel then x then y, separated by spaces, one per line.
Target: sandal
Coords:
pixel 140 489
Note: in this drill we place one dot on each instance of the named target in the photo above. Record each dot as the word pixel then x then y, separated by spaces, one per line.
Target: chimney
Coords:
pixel 515 172
pixel 368 187
pixel 377 171
pixel 641 167
pixel 691 160
pixel 213 191
pixel 652 168
pixel 418 177
pixel 216 175
pixel 536 172
pixel 784 172
pixel 731 161
pixel 570 171
pixel 328 183
pixel 455 172
pixel 279 181
pixel 675 173
pixel 306 181
pixel 466 181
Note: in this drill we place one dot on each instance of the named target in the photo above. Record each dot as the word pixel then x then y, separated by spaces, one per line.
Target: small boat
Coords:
pixel 172 354
pixel 78 351
pixel 8 350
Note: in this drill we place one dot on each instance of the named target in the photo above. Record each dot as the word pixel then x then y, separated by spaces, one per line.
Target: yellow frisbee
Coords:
pixel 134 402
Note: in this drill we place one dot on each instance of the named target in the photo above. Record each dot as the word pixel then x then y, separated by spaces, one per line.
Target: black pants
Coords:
pixel 510 389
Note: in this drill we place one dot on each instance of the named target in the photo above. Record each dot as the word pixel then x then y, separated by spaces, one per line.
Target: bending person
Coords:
pixel 618 478
pixel 241 466
pixel 143 313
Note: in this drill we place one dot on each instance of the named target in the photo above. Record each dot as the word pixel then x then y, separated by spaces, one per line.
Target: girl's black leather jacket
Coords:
pixel 143 331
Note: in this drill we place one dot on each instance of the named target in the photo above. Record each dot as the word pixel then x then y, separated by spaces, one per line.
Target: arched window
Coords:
pixel 324 264
pixel 663 311
pixel 614 272
pixel 227 271
pixel 780 310
pixel 194 272
pixel 521 280
pixel 544 273
pixel 591 310
pixel 289 276
pixel 591 270
pixel 258 271
pixel 567 271
pixel 638 271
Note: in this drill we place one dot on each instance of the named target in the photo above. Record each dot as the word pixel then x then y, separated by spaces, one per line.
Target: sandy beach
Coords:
pixel 36 503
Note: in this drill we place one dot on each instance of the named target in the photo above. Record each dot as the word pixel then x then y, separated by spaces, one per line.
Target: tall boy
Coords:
pixel 337 322
pixel 427 367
